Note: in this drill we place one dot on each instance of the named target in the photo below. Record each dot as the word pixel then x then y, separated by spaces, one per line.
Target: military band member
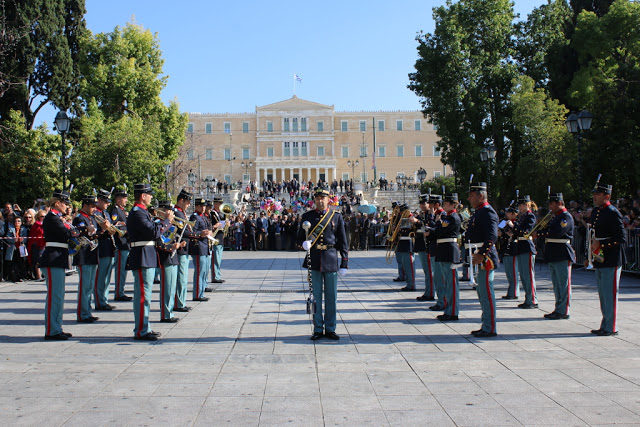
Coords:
pixel 446 234
pixel 327 238
pixel 509 258
pixel 183 203
pixel 218 223
pixel 119 218
pixel 609 244
pixel 526 251
pixel 54 261
pixel 421 247
pixel 168 263
pixel 199 250
pixel 106 252
pixel 435 204
pixel 395 207
pixel 142 260
pixel 404 250
pixel 482 232
pixel 86 259
pixel 208 208
pixel 559 254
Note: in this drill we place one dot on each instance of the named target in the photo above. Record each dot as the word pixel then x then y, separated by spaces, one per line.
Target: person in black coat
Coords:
pixel 86 258
pixel 526 251
pixel 250 230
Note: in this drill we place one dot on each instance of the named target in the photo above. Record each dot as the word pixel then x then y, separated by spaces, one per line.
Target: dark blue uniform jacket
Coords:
pixel 142 228
pixel 333 236
pixel 55 230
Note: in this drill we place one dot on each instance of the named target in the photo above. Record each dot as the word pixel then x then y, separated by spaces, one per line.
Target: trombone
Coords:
pixel 111 227
pixel 177 221
pixel 543 223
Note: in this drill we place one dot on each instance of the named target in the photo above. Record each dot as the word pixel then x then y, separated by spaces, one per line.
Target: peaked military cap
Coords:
pixel 200 201
pixel 321 191
pixel 451 197
pixel 435 198
pixel 217 199
pixel 165 204
pixel 142 188
pixel 104 195
pixel 424 198
pixel 62 195
pixel 602 188
pixel 524 199
pixel 478 186
pixel 89 199
pixel 184 194
pixel 556 197
pixel 120 193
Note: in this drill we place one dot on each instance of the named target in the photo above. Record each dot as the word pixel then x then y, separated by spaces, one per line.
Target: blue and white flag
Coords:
pixel 297 77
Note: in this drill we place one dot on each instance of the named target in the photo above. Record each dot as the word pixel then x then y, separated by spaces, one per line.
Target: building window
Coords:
pixel 320 151
pixel 227 127
pixel 344 126
pixel 286 125
pixel 246 177
pixel 398 124
pixel 269 126
pixel 294 148
pixel 269 151
pixel 418 150
pixel 189 154
pixel 303 124
pixel 303 149
pixel 380 125
pixel 245 153
pixel 363 151
pixel 400 151
pixel 436 151
pixel 295 124
pixel 320 126
pixel 208 154
pixel 417 125
pixel 363 126
pixel 227 178
pixel 208 128
pixel 190 128
pixel 436 174
pixel 245 127
pixel 382 151
pixel 287 149
pixel 345 152
pixel 383 175
pixel 227 153
pixel 345 176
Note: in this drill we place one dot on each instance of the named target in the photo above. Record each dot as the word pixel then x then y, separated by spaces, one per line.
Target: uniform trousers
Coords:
pixel 561 280
pixel 325 283
pixel 142 289
pixel 487 300
pixel 449 278
pixel 217 261
pixel 120 272
pixel 182 281
pixel 526 263
pixel 438 283
pixel 168 279
pixel 511 270
pixel 55 278
pixel 608 286
pixel 400 268
pixel 101 296
pixel 406 260
pixel 88 276
pixel 200 266
pixel 427 266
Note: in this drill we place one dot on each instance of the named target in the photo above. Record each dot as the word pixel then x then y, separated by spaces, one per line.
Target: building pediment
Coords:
pixel 293 104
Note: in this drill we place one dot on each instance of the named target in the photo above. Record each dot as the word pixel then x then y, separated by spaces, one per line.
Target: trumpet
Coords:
pixel 591 255
pixel 177 221
pixel 543 223
pixel 111 227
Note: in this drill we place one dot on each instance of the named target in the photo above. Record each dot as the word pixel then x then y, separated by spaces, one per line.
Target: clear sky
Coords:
pixel 227 56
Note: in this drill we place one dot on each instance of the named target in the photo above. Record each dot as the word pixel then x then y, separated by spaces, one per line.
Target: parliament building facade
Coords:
pixel 305 140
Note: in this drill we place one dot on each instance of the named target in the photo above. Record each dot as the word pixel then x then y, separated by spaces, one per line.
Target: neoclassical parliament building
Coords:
pixel 306 140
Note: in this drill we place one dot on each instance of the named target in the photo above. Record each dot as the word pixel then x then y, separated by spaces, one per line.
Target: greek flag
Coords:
pixel 297 77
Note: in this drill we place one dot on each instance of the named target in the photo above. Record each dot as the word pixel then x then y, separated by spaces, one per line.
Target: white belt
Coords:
pixel 140 244
pixel 603 238
pixel 567 241
pixel 420 230
pixel 405 238
pixel 473 245
pixel 525 238
pixel 447 240
pixel 56 245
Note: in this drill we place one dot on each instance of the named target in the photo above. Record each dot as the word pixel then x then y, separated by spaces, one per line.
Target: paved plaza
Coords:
pixel 245 358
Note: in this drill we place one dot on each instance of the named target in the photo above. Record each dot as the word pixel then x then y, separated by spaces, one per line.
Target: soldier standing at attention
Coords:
pixel 482 232
pixel 143 261
pixel 448 255
pixel 183 203
pixel 559 254
pixel 609 257
pixel 86 259
pixel 119 217
pixel 404 249
pixel 106 252
pixel 421 247
pixel 509 258
pixel 326 238
pixel 53 262
pixel 218 223
pixel 168 262
pixel 199 250
pixel 435 205
pixel 526 252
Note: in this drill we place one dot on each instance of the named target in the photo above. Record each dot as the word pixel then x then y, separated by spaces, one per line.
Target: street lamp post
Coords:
pixel 576 124
pixel 191 178
pixel 62 124
pixel 422 174
pixel 246 166
pixel 363 156
pixel 404 179
pixel 352 164
pixel 487 154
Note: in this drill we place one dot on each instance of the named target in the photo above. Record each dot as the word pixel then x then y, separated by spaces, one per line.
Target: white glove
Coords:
pixel 306 245
pixel 343 272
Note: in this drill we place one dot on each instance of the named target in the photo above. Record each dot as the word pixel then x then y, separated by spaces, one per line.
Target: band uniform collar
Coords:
pixel 141 206
pixel 606 205
pixel 483 205
pixel 561 211
pixel 56 212
pixel 84 214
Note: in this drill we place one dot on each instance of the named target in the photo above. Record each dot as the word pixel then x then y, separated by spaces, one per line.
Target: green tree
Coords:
pixel 435 185
pixel 464 76
pixel 29 162
pixel 607 83
pixel 43 63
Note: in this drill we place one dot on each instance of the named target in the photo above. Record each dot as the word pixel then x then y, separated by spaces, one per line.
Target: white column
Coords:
pixel 333 173
pixel 326 174
pixel 308 177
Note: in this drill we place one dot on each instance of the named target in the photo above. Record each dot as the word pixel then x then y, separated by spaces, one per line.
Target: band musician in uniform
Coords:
pixel 509 258
pixel 183 203
pixel 526 251
pixel 607 247
pixel 326 238
pixel 168 263
pixel 86 259
pixel 482 233
pixel 106 253
pixel 421 248
pixel 119 218
pixel 218 222
pixel 199 250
